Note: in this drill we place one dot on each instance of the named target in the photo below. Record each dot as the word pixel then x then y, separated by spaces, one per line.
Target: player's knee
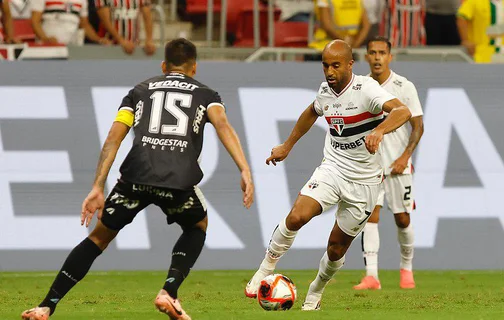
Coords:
pixel 375 215
pixel 374 219
pixel 402 220
pixel 336 251
pixel 102 236
pixel 194 229
pixel 295 220
pixel 100 241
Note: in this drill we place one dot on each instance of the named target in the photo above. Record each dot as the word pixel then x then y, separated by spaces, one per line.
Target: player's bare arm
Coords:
pixel 231 142
pixel 304 123
pixel 399 114
pixel 417 130
pixel 96 199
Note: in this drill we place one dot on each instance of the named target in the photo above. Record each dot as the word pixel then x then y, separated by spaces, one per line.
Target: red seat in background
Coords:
pixel 245 25
pixel 291 34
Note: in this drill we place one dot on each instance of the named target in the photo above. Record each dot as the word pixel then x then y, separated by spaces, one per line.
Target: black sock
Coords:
pixel 74 269
pixel 185 253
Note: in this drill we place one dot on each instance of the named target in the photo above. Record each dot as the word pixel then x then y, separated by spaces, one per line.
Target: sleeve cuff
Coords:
pixel 213 104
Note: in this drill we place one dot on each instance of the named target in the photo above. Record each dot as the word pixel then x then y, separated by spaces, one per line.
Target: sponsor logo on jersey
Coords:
pixel 164 143
pixel 158 192
pixel 397 83
pixel 358 86
pixel 199 117
pixel 138 112
pixel 125 13
pixel 338 124
pixel 351 106
pixel 172 84
pixel 351 145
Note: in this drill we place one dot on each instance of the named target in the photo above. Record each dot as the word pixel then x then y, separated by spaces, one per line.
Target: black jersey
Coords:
pixel 170 113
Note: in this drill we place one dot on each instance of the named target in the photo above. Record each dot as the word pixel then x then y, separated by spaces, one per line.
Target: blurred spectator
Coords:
pixel 374 9
pixel 340 19
pixel 403 22
pixel 8 30
pixel 295 10
pixel 58 21
pixel 120 20
pixel 441 22
pixel 481 28
pixel 20 9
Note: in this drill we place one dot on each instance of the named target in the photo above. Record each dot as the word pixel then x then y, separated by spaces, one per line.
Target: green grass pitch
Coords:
pixel 219 295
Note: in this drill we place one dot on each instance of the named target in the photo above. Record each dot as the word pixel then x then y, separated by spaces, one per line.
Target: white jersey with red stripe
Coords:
pixel 394 143
pixel 61 18
pixel 124 15
pixel 403 23
pixel 351 115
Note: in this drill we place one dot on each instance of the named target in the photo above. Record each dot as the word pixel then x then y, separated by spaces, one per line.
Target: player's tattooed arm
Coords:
pixel 399 114
pixel 95 200
pixel 304 123
pixel 108 153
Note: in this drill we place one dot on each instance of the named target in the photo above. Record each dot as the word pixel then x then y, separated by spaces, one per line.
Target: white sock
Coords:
pixel 327 269
pixel 406 238
pixel 281 241
pixel 370 246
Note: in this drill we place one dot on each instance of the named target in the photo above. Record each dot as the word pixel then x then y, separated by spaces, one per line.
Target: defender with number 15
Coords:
pixel 167 113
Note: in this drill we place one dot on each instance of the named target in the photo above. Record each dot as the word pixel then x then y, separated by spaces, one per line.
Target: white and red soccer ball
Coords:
pixel 276 292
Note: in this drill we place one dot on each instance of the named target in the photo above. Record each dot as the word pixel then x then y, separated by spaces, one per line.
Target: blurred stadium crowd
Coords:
pixel 477 25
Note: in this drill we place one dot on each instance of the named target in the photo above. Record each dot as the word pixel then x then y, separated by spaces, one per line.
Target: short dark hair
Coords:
pixel 380 39
pixel 179 52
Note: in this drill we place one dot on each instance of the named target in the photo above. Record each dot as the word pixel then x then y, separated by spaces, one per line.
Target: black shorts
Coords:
pixel 185 207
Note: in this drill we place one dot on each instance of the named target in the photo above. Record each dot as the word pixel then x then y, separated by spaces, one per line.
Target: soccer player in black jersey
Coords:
pixel 167 114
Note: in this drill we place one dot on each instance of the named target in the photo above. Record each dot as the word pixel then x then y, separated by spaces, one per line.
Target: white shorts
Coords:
pixel 398 189
pixel 355 201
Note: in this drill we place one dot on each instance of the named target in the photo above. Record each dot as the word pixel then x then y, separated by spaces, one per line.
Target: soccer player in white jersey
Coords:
pixel 396 149
pixel 350 173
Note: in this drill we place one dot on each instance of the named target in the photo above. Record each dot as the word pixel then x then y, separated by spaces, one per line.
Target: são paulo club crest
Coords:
pixel 338 125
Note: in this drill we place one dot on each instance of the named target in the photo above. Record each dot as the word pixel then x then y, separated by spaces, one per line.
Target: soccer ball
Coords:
pixel 276 292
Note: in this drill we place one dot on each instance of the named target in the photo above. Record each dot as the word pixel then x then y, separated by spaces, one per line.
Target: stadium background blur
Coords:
pixel 54 116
